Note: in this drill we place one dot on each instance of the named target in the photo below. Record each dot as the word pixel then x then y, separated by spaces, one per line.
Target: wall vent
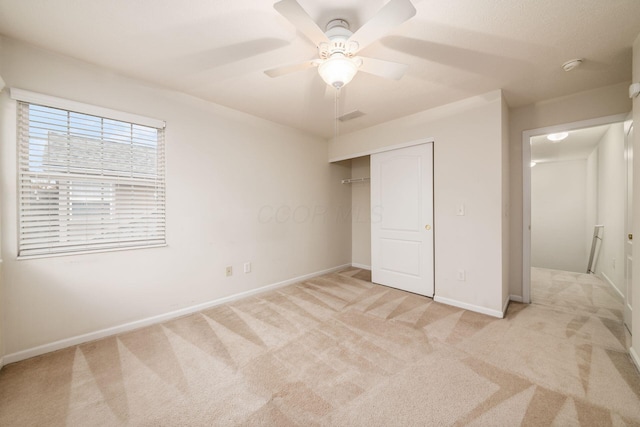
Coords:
pixel 350 116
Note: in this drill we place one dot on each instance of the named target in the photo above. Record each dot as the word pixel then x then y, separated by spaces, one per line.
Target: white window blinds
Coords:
pixel 87 183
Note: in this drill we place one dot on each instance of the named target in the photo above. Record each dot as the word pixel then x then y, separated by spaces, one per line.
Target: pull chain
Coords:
pixel 336 113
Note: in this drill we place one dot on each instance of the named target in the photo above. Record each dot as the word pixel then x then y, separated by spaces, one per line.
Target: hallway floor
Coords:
pixel 580 294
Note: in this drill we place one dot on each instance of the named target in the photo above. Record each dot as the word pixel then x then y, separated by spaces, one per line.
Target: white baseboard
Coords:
pixel 635 358
pixel 362 266
pixel 92 336
pixel 615 288
pixel 470 307
pixel 515 298
pixel 505 306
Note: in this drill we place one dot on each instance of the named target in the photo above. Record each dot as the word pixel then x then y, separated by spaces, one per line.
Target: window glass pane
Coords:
pixel 88 183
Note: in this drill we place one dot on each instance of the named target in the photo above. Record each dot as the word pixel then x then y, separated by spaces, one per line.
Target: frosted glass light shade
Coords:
pixel 338 70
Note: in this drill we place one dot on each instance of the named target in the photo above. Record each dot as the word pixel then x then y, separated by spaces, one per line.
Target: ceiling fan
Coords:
pixel 337 45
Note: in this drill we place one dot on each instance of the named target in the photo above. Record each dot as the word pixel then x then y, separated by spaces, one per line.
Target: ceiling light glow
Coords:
pixel 338 70
pixel 557 137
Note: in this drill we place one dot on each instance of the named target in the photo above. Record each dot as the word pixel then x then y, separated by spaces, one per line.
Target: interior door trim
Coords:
pixel 526 186
pixel 382 149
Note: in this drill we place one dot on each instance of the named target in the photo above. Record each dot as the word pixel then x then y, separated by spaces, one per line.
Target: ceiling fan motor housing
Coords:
pixel 338 33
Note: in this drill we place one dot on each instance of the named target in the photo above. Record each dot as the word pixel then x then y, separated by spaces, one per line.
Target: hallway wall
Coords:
pixel 610 207
pixel 558 215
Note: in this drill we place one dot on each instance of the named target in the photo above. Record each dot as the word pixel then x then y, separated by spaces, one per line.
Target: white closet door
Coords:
pixel 402 218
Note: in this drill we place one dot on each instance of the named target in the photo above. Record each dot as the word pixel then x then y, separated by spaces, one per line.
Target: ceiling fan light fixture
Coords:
pixel 338 70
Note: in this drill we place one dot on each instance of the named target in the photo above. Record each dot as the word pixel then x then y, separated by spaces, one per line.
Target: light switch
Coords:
pixel 460 210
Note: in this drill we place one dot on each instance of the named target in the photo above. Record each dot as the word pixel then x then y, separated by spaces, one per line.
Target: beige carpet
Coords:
pixel 338 350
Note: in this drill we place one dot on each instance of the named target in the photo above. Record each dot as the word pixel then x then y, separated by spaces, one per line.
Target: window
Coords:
pixel 87 182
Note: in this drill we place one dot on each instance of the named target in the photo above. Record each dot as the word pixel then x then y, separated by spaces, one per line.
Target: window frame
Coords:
pixel 107 183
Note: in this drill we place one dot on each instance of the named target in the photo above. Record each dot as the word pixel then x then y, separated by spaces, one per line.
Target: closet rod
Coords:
pixel 352 180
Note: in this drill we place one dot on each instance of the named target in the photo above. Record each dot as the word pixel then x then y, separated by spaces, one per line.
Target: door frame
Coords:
pixel 526 186
pixel 385 148
pixel 628 224
pixel 391 147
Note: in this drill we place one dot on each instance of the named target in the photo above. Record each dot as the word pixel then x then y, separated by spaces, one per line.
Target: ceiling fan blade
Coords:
pixel 386 69
pixel 299 17
pixel 390 16
pixel 288 69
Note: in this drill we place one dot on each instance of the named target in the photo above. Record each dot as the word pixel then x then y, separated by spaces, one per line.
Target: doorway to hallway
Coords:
pixel 576 179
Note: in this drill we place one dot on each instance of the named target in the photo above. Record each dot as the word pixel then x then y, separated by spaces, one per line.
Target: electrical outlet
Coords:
pixel 247 267
pixel 460 210
pixel 229 271
pixel 461 275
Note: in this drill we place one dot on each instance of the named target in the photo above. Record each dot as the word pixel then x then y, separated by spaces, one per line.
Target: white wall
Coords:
pixel 635 347
pixel 558 215
pixel 596 103
pixel 361 209
pixel 239 189
pixel 592 202
pixel 468 169
pixel 2 320
pixel 611 204
pixel 506 203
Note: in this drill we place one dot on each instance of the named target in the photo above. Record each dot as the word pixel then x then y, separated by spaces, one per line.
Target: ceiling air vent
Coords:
pixel 350 116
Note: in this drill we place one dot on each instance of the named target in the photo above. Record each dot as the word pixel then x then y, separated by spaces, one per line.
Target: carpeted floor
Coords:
pixel 339 350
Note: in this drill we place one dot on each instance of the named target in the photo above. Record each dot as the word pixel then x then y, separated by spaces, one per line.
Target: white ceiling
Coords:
pixel 218 49
pixel 578 145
